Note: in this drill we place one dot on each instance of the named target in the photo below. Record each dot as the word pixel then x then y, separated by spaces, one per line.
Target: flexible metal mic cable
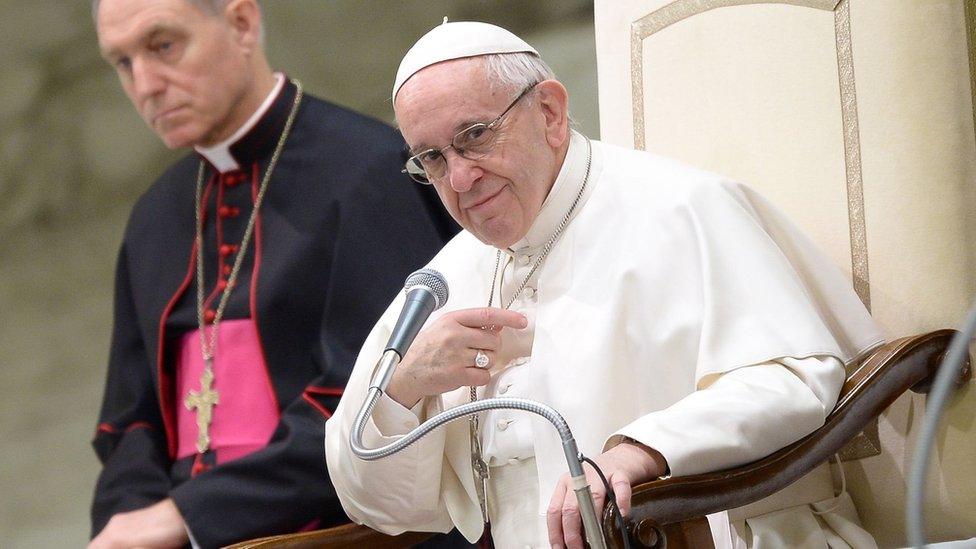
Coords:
pixel 938 396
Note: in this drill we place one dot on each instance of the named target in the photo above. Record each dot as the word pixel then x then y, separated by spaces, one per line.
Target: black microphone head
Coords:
pixel 430 280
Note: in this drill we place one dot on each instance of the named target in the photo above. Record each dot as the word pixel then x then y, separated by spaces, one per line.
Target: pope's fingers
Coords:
pixel 622 491
pixel 493 328
pixel 482 359
pixel 598 492
pixel 599 500
pixel 490 317
pixel 554 513
pixel 476 338
pixel 571 522
pixel 593 479
pixel 475 377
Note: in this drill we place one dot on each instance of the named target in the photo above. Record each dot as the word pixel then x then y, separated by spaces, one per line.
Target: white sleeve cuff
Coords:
pixel 392 419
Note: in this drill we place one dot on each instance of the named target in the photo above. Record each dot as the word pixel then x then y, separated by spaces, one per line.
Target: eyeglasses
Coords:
pixel 473 143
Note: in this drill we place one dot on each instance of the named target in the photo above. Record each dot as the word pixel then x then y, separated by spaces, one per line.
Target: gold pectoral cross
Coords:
pixel 204 402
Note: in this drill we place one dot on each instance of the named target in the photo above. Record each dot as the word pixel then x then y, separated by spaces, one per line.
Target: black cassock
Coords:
pixel 339 230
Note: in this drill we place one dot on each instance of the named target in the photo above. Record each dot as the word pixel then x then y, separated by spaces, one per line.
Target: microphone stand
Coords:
pixel 388 363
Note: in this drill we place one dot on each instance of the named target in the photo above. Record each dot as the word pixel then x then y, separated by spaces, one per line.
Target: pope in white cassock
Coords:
pixel 677 321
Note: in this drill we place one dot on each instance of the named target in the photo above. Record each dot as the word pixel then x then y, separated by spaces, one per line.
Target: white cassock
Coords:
pixel 677 308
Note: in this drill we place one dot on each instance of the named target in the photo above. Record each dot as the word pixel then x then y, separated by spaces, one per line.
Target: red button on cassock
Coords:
pixel 221 284
pixel 209 315
pixel 233 178
pixel 228 211
pixel 227 249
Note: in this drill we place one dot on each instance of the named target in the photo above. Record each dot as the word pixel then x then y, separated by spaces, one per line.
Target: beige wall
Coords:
pixel 73 158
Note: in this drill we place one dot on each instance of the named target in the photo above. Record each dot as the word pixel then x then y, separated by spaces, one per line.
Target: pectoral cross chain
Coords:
pixel 204 402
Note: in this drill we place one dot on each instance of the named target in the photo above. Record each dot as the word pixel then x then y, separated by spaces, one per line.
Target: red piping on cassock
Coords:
pixel 328 391
pixel 165 381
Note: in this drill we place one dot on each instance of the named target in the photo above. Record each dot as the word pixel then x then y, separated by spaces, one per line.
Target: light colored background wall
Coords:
pixel 74 156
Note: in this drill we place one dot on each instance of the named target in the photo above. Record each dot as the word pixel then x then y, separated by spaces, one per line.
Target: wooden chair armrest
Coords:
pixel 671 511
pixel 343 536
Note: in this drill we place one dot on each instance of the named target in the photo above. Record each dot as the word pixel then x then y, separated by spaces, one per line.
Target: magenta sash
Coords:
pixel 246 415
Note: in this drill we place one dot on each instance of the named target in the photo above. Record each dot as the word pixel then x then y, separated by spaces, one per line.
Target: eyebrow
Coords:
pixel 153 32
pixel 465 124
pixel 458 128
pixel 419 149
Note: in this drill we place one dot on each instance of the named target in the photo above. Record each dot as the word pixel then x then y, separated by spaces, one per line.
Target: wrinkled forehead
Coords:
pixel 120 23
pixel 467 73
pixel 444 99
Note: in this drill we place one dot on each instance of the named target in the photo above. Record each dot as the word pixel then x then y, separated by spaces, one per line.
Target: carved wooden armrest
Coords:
pixel 670 512
pixel 344 536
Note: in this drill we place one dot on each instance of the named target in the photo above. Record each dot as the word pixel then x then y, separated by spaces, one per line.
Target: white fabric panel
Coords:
pixel 754 91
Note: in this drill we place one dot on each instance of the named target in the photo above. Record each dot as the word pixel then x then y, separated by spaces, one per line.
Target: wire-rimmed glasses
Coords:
pixel 473 143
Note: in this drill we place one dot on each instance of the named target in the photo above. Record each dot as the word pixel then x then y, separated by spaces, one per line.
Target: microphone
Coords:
pixel 426 292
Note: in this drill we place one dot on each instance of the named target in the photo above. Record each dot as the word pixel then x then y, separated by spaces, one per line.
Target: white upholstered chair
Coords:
pixel 855 117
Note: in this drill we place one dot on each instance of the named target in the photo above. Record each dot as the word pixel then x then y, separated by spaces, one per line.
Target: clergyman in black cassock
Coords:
pixel 337 231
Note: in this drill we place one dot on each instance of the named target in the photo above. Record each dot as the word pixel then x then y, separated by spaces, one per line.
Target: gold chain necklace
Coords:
pixel 207 398
pixel 478 463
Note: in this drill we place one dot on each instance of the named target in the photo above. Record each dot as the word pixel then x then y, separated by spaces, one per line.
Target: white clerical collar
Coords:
pixel 560 198
pixel 219 155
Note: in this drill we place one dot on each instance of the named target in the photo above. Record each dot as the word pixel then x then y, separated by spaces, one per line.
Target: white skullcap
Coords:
pixel 455 41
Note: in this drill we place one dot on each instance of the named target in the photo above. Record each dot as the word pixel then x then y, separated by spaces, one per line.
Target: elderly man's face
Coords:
pixel 184 69
pixel 497 197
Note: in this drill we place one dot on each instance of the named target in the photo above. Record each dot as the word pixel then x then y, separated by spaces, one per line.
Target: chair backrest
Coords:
pixel 855 118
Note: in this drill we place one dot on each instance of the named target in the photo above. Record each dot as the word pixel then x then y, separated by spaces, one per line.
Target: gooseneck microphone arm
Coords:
pixel 942 386
pixel 434 289
pixel 573 458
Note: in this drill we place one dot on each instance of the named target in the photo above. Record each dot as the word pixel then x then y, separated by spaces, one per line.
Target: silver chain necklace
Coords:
pixel 478 463
pixel 548 247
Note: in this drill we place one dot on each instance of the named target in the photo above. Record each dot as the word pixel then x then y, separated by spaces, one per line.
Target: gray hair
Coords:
pixel 213 7
pixel 516 71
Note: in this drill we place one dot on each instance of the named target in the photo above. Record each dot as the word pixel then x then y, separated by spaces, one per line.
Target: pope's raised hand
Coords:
pixel 443 356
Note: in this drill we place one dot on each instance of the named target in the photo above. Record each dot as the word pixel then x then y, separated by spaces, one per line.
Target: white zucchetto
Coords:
pixel 455 41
